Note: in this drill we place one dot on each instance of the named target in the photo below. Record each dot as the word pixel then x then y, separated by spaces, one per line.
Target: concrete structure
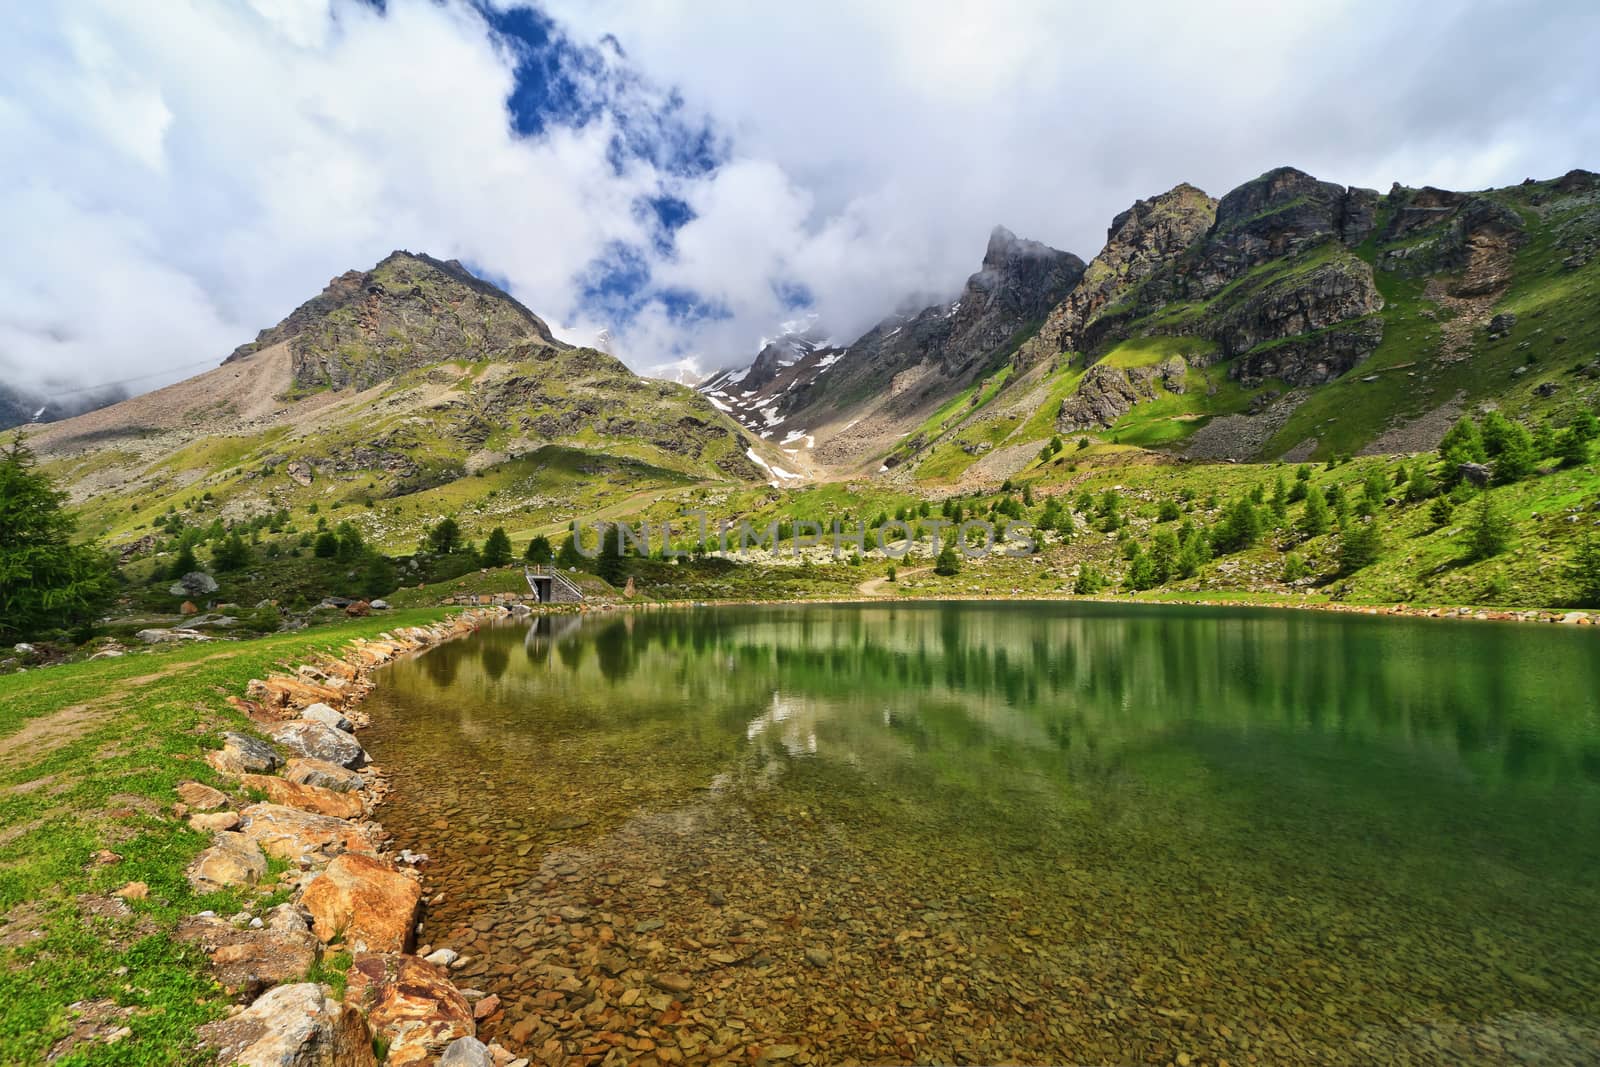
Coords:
pixel 552 587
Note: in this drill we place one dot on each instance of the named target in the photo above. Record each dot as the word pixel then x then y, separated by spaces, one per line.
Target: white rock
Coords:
pixel 327 716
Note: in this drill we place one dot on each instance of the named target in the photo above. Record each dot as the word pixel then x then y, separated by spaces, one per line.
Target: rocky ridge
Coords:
pixel 909 361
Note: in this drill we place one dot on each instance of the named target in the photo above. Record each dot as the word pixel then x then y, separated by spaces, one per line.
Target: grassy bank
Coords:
pixel 90 754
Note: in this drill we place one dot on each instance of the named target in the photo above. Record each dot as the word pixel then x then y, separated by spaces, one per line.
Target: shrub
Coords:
pixel 1294 567
pixel 1089 581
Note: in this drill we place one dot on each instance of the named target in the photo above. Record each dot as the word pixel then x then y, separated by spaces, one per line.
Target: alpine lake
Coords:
pixel 1009 832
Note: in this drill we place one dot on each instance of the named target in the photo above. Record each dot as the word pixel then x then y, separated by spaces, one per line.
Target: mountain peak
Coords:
pixel 1005 246
pixel 409 310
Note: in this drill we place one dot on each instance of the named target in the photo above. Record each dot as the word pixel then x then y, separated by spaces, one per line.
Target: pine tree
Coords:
pixel 183 563
pixel 46 581
pixel 378 576
pixel 231 553
pixel 1585 571
pixel 538 552
pixel 1240 527
pixel 497 548
pixel 1164 551
pixel 1141 573
pixel 327 545
pixel 1359 544
pixel 1419 486
pixel 445 537
pixel 1490 531
pixel 1088 581
pixel 1374 490
pixel 1572 448
pixel 1462 443
pixel 569 557
pixel 948 563
pixel 1315 519
pixel 351 545
pixel 611 565
pixel 1441 511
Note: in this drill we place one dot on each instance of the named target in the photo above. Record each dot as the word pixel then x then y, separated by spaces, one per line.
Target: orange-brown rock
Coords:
pixel 412 1003
pixel 201 797
pixel 286 691
pixel 320 772
pixel 232 860
pixel 212 821
pixel 291 834
pixel 305 797
pixel 368 900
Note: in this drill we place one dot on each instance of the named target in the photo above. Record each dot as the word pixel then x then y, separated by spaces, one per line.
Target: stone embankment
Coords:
pixel 298 828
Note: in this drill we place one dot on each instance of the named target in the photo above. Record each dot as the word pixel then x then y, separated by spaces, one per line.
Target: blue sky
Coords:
pixel 688 174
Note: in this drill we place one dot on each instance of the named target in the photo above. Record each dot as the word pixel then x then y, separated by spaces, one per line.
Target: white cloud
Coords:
pixel 177 176
pixel 181 176
pixel 907 130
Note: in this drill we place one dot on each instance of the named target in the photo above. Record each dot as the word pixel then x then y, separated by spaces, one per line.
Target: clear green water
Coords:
pixel 1017 832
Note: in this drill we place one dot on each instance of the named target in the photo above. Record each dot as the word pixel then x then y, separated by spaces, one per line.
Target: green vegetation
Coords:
pixel 140 723
pixel 48 584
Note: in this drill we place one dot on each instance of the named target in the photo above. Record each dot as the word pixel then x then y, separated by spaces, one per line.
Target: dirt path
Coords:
pixel 874 586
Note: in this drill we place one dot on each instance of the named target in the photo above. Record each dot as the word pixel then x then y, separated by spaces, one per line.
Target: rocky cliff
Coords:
pixel 910 360
pixel 1141 240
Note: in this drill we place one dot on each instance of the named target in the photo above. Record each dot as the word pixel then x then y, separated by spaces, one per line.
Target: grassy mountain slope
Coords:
pixel 1307 329
pixel 384 395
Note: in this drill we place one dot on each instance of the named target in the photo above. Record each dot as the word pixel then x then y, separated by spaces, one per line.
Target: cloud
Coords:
pixel 187 174
pixel 181 175
pixel 892 137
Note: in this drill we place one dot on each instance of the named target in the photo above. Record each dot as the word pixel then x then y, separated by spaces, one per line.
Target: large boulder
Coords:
pixel 298 1025
pixel 315 740
pixel 367 899
pixel 246 962
pixel 232 860
pixel 243 754
pixel 324 775
pixel 302 836
pixel 410 1002
pixel 305 797
pixel 194 584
